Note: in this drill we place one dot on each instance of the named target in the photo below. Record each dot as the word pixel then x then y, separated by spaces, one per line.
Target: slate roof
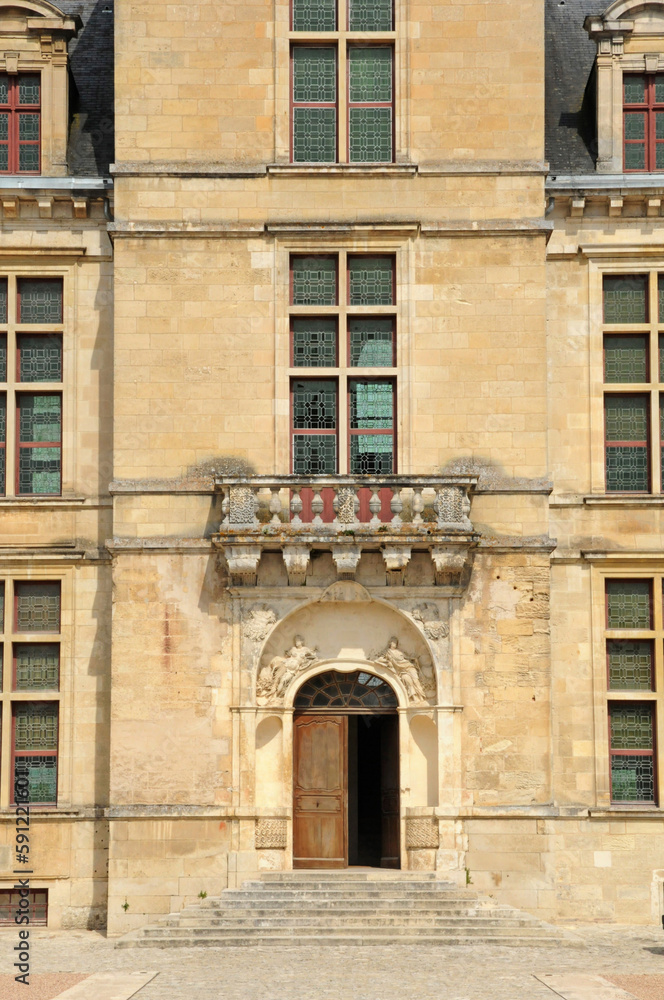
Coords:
pixel 570 96
pixel 91 95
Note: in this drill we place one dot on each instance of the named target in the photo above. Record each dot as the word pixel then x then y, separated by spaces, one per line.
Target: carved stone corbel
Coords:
pixel 346 558
pixel 243 563
pixel 396 559
pixel 451 563
pixel 296 558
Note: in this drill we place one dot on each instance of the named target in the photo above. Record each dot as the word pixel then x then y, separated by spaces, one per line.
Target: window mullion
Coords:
pixel 343 424
pixel 342 97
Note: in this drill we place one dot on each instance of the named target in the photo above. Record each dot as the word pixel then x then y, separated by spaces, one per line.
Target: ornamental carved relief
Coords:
pixel 271 834
pixel 259 622
pixel 274 678
pixel 422 832
pixel 407 669
pixel 427 617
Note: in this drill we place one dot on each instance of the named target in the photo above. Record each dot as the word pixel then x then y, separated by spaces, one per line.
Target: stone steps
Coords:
pixel 295 909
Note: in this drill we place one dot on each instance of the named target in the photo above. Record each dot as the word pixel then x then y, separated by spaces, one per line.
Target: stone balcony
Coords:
pixel 347 515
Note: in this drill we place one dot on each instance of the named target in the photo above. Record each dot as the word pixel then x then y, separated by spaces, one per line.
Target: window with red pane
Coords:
pixel 643 121
pixel 20 123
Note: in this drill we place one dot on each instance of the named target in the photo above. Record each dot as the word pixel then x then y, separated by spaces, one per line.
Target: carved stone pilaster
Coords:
pixel 243 563
pixel 296 558
pixel 346 558
pixel 451 563
pixel 396 559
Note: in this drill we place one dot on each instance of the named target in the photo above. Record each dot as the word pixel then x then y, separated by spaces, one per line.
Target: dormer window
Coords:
pixel 20 123
pixel 643 121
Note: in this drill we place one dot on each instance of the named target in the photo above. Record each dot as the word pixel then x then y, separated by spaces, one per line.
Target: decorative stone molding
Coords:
pixel 271 834
pixel 451 564
pixel 422 832
pixel 243 563
pixel 346 558
pixel 259 623
pixel 427 617
pixel 396 559
pixel 275 677
pixel 296 558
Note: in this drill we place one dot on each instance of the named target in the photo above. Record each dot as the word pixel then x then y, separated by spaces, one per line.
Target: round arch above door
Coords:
pixel 337 691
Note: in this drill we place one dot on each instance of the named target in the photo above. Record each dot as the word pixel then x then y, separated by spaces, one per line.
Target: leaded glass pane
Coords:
pixel 35 727
pixel 635 125
pixel 635 89
pixel 314 135
pixel 370 15
pixel 626 299
pixel 40 358
pixel 314 454
pixel 28 89
pixel 314 74
pixel 28 128
pixel 630 665
pixel 3 300
pixel 659 125
pixel 3 357
pixel 37 607
pixel 39 471
pixel 314 281
pixel 40 300
pixel 41 771
pixel 4 157
pixel 370 135
pixel 628 604
pixel 371 454
pixel 371 405
pixel 371 281
pixel 635 156
pixel 315 405
pixel 625 358
pixel 659 88
pixel 4 126
pixel 659 149
pixel 28 158
pixel 632 778
pixel 37 666
pixel 626 420
pixel 371 342
pixel 356 690
pixel 4 89
pixel 314 15
pixel 626 469
pixel 370 74
pixel 39 418
pixel 631 727
pixel 314 342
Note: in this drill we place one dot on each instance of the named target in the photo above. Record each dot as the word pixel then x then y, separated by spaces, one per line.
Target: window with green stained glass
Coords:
pixel 36 666
pixel 39 357
pixel 630 664
pixel 314 409
pixel 632 744
pixel 3 300
pixel 370 118
pixel 40 300
pixel 371 409
pixel 371 281
pixel 626 298
pixel 371 341
pixel 625 358
pixel 37 606
pixel 314 15
pixel 35 751
pixel 314 121
pixel 629 604
pixel 627 448
pixel 314 341
pixel 313 281
pixel 20 123
pixel 39 443
pixel 643 122
pixel 370 15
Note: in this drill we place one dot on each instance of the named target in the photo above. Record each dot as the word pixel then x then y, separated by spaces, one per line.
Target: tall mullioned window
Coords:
pixel 20 123
pixel 343 364
pixel 643 121
pixel 634 662
pixel 342 86
pixel 31 381
pixel 634 382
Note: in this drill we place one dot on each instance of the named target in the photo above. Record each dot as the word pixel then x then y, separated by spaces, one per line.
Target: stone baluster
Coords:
pixel 375 507
pixel 418 505
pixel 275 504
pixel 296 507
pixel 396 506
pixel 317 507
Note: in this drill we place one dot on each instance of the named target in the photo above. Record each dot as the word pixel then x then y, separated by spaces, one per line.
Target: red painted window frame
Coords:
pixel 47 643
pixel 377 316
pixel 38 911
pixel 634 753
pixel 17 586
pixel 313 104
pixel 13 109
pixel 628 444
pixel 368 104
pixel 304 430
pixel 326 256
pixel 322 368
pixel 650 108
pixel 356 432
pixel 34 444
pixel 20 282
pixel 34 753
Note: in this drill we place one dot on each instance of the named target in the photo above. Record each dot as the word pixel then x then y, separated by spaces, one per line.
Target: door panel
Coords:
pixel 389 787
pixel 319 791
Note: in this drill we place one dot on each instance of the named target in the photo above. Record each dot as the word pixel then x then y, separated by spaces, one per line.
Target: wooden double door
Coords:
pixel 345 790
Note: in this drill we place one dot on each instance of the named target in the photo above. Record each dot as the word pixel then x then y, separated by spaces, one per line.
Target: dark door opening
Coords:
pixel 373 793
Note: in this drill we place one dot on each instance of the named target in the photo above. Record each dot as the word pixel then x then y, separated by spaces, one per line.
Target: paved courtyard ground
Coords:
pixel 632 957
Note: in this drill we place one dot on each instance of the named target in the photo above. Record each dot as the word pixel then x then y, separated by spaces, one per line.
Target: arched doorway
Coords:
pixel 345 772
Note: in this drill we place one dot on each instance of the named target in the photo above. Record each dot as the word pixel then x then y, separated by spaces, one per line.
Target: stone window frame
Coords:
pixel 289 245
pixel 35 41
pixel 39 573
pixel 66 387
pixel 612 32
pixel 619 567
pixel 285 39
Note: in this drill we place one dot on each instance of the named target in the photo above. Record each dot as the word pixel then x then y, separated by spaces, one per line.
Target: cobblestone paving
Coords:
pixel 643 987
pixel 338 973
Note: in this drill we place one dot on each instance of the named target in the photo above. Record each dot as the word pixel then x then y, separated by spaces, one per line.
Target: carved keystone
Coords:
pixel 346 558
pixel 243 563
pixel 296 558
pixel 396 558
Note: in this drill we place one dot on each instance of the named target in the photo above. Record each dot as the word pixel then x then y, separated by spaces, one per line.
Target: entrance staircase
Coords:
pixel 346 908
